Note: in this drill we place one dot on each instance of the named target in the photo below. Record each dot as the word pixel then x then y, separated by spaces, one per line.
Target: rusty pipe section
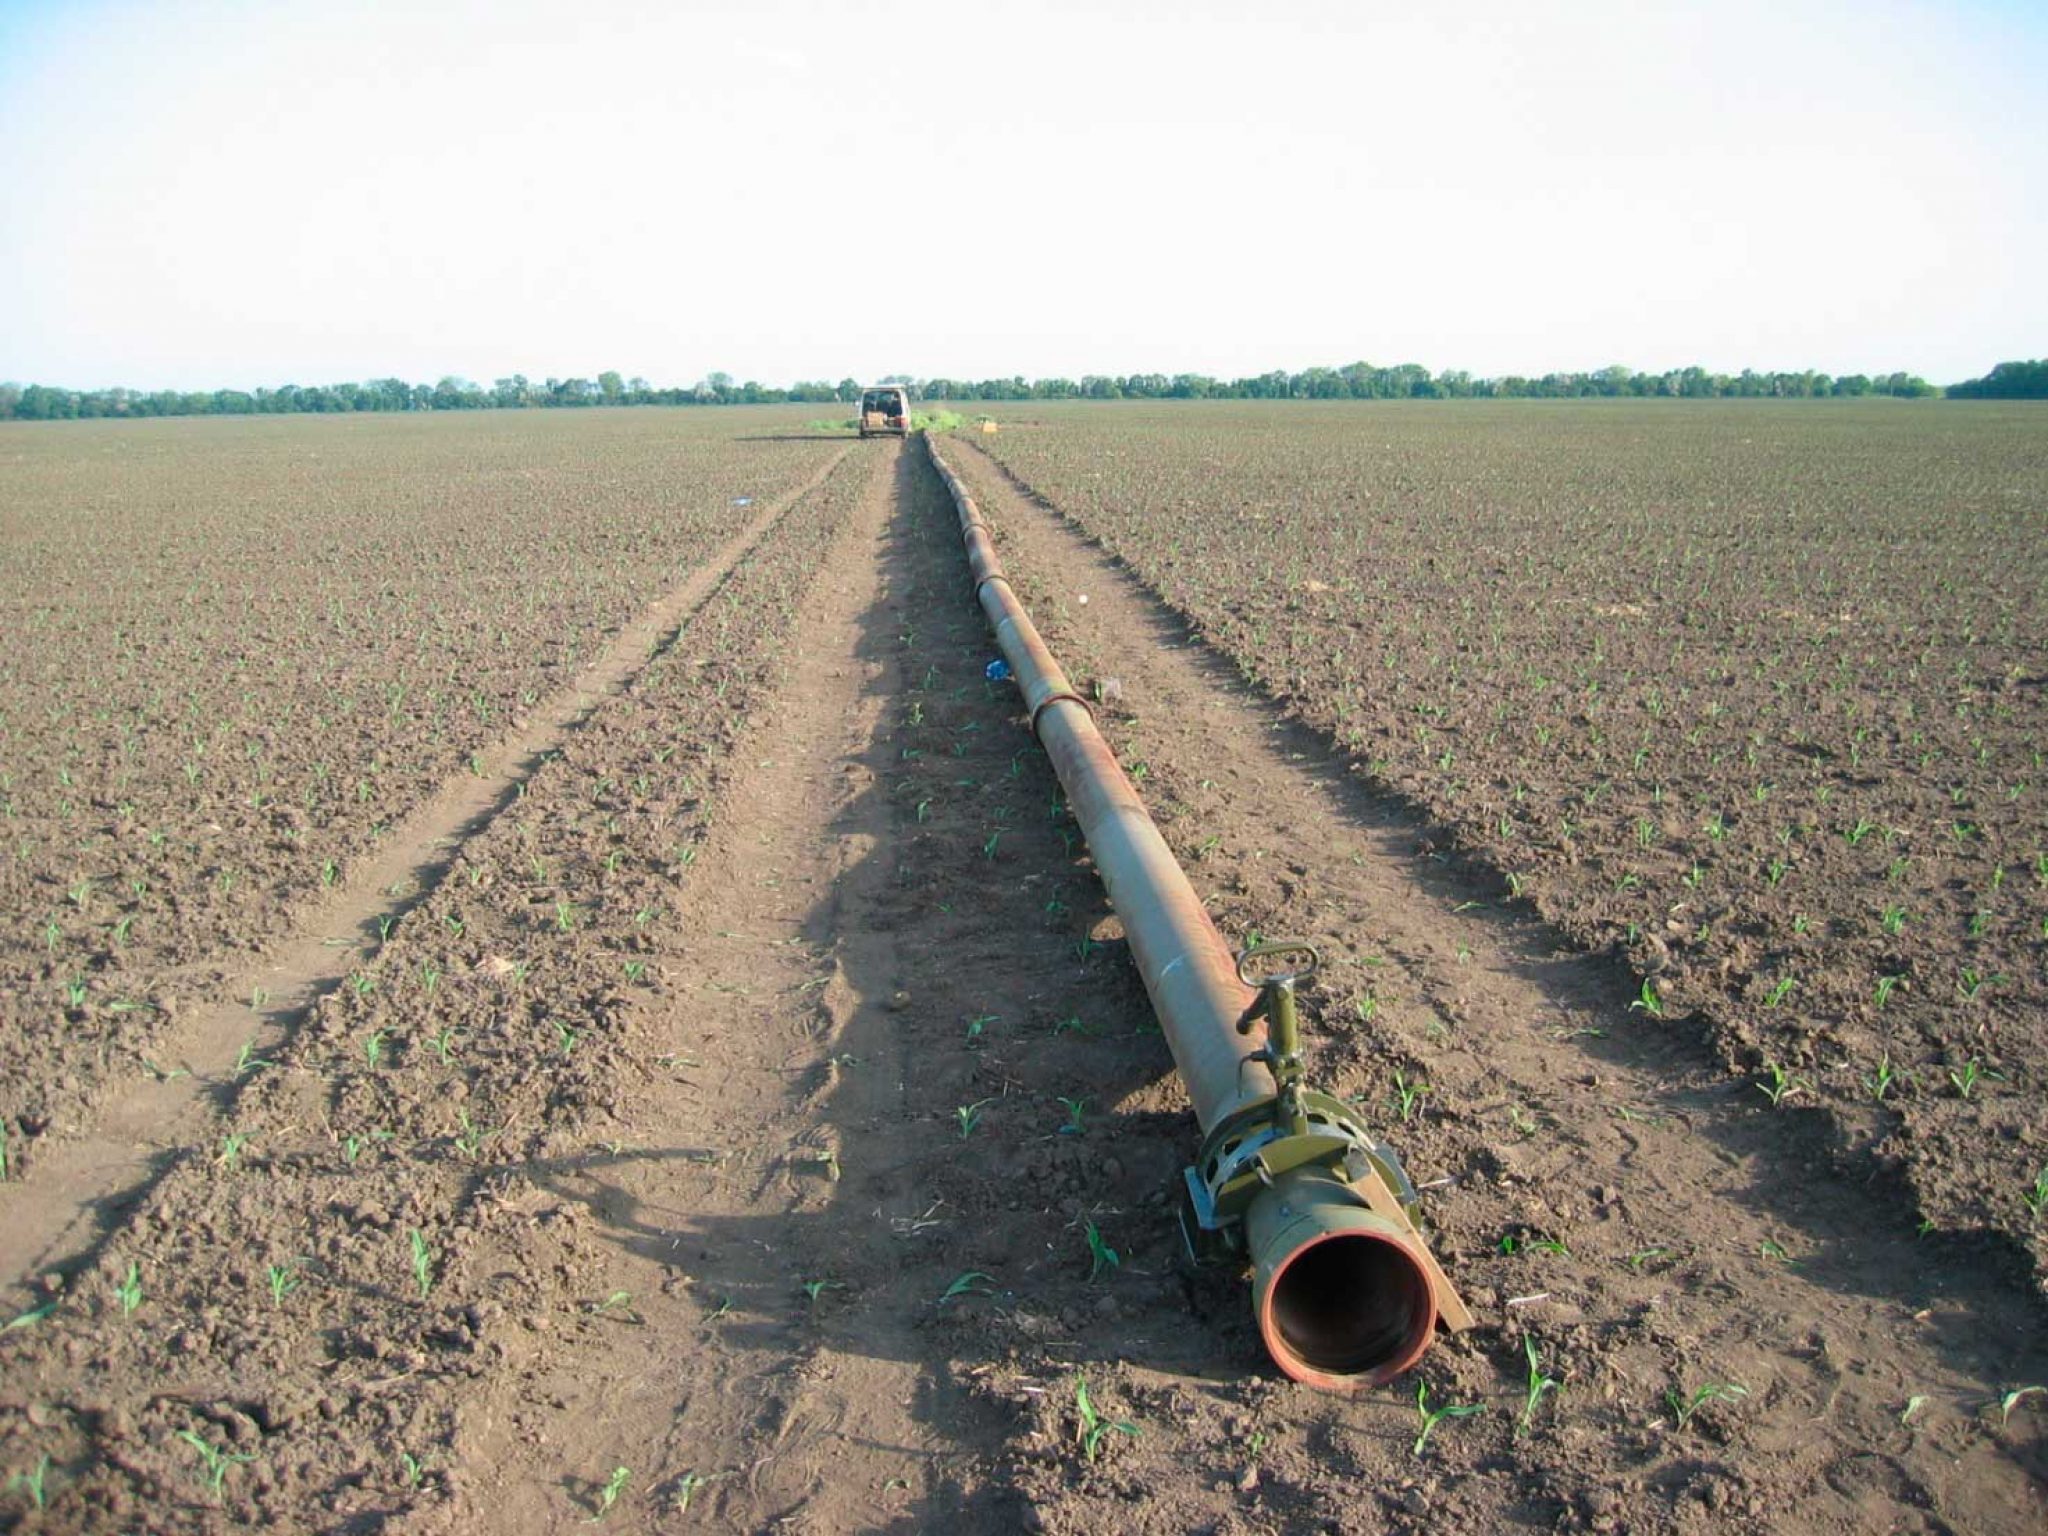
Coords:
pixel 1345 1291
pixel 1188 971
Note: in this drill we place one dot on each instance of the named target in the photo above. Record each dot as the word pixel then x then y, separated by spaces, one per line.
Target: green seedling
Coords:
pixel 1969 983
pixel 128 1293
pixel 422 1264
pixel 1094 1428
pixel 411 1469
pixel 1431 1417
pixel 29 1318
pixel 565 917
pixel 815 1289
pixel 32 1481
pixel 246 1059
pixel 1538 1384
pixel 231 1147
pixel 2037 1198
pixel 1643 1256
pixel 565 1037
pixel 2013 1399
pixel 1886 985
pixel 444 1044
pixel 373 1048
pixel 613 1490
pixel 1101 1256
pixel 1780 990
pixel 1782 1085
pixel 978 1025
pixel 1683 1408
pixel 219 1460
pixel 1913 1405
pixel 469 1141
pixel 1880 1082
pixel 1966 1077
pixel 1075 1108
pixel 1648 1000
pixel 1408 1096
pixel 973 1283
pixel 687 1487
pixel 1893 920
pixel 1771 1248
pixel 969 1116
pixel 635 969
pixel 284 1279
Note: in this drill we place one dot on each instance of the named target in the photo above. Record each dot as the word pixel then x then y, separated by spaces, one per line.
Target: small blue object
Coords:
pixel 743 501
pixel 996 670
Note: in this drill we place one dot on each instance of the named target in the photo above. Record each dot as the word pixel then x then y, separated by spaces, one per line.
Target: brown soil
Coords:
pixel 656 1134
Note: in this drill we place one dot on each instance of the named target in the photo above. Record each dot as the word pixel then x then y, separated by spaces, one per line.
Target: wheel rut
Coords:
pixel 773 1221
pixel 1721 1238
pixel 78 1186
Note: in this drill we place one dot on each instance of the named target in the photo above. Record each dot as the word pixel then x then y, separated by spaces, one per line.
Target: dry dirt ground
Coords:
pixel 714 1142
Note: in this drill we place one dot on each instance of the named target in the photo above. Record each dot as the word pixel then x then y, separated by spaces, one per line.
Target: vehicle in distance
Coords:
pixel 885 411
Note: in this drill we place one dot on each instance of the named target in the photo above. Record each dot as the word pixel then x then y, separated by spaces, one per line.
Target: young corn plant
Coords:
pixel 1101 1257
pixel 1093 1428
pixel 972 1283
pixel 1408 1096
pixel 1431 1417
pixel 128 1294
pixel 2013 1399
pixel 969 1117
pixel 422 1264
pixel 1537 1385
pixel 1684 1407
pixel 613 1490
pixel 1782 1085
pixel 1880 1083
pixel 31 1483
pixel 218 1460
pixel 2037 1198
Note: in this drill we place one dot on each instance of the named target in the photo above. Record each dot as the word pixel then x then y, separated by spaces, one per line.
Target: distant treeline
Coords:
pixel 1359 381
pixel 2008 381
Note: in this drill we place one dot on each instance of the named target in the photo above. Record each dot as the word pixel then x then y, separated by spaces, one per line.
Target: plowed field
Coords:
pixel 686 1082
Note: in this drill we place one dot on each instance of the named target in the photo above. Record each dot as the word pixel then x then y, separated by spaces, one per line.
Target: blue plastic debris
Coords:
pixel 996 670
pixel 743 501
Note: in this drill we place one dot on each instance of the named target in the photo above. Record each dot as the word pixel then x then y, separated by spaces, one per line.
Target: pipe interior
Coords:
pixel 1349 1305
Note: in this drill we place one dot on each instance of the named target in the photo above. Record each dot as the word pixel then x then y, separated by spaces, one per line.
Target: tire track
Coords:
pixel 77 1190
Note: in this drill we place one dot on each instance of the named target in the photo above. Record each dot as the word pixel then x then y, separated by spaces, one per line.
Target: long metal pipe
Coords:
pixel 1345 1293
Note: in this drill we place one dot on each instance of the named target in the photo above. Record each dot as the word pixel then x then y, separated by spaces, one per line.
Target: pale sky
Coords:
pixel 219 194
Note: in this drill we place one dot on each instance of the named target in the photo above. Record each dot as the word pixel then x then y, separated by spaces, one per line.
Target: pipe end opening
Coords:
pixel 1348 1310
